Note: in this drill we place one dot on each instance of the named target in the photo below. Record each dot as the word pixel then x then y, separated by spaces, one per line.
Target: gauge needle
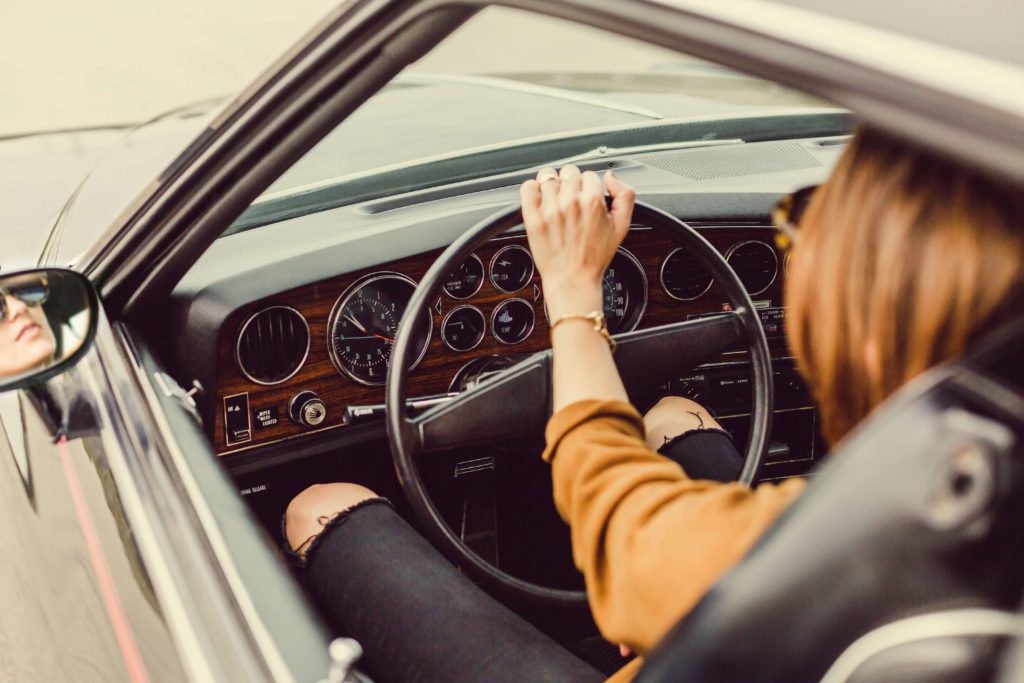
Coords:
pixel 362 328
pixel 355 322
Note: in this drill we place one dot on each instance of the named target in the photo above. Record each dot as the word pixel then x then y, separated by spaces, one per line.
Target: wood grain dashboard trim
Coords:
pixel 440 363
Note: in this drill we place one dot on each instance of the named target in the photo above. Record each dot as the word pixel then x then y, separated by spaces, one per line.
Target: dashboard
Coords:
pixel 287 328
pixel 315 357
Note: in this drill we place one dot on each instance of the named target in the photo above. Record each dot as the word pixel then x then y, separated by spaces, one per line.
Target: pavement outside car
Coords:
pixel 74 64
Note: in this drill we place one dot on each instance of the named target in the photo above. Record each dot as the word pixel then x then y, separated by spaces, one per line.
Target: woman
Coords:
pixel 26 339
pixel 902 260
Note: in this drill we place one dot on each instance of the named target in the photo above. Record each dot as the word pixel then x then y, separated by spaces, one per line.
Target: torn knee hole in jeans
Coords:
pixel 300 555
pixel 671 440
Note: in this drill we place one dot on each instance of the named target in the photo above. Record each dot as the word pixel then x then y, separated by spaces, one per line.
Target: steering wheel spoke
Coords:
pixel 679 347
pixel 515 402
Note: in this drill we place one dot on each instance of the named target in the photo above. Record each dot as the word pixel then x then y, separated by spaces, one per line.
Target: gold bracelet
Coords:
pixel 596 317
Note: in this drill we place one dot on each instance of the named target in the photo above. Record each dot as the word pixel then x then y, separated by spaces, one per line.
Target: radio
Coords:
pixel 773 320
pixel 725 390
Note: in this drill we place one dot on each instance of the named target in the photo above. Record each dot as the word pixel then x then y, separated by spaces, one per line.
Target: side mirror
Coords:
pixel 47 323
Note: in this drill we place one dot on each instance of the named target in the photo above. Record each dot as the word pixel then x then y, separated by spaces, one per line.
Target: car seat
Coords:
pixel 902 561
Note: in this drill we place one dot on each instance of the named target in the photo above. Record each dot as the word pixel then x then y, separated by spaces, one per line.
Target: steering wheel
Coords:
pixel 517 402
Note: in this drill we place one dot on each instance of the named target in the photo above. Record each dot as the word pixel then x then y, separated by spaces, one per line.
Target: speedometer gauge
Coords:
pixel 624 291
pixel 364 323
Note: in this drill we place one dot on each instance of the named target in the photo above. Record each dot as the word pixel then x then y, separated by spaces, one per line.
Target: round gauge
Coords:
pixel 683 277
pixel 463 328
pixel 511 268
pixel 466 280
pixel 755 264
pixel 624 287
pixel 512 321
pixel 364 323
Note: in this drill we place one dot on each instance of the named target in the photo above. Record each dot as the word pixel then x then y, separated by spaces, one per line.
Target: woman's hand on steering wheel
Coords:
pixel 573 233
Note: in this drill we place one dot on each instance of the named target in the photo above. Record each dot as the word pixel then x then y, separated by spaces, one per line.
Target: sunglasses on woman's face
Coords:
pixel 787 214
pixel 31 294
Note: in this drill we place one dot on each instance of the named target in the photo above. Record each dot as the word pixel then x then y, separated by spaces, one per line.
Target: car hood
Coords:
pixel 123 171
pixel 419 116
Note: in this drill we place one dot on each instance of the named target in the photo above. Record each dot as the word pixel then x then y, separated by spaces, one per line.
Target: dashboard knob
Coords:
pixel 307 409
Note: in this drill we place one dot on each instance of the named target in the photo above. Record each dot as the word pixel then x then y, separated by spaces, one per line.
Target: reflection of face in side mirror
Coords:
pixel 46 316
pixel 26 340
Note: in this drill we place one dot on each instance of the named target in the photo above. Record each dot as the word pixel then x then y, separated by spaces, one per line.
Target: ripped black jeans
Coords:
pixel 419 619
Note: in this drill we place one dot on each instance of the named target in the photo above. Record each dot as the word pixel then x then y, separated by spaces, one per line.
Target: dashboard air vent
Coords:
pixel 755 264
pixel 272 345
pixel 683 277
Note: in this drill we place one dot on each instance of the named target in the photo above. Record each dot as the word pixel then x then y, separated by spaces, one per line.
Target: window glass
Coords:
pixel 504 80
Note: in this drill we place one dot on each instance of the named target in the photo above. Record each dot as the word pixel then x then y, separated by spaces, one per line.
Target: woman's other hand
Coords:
pixel 573 234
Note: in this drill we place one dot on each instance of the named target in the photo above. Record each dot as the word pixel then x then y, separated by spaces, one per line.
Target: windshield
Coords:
pixel 510 90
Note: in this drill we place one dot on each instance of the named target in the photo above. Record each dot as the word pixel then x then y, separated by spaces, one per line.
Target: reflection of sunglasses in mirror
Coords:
pixel 33 292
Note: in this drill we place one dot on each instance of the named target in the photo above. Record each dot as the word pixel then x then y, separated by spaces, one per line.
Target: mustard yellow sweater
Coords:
pixel 649 540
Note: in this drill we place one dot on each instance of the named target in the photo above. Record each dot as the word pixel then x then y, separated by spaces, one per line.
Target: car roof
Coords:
pixel 987 28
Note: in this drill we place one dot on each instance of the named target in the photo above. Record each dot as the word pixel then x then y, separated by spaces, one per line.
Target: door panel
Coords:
pixel 77 604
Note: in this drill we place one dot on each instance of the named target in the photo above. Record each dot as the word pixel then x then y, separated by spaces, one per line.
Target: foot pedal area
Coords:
pixel 479 523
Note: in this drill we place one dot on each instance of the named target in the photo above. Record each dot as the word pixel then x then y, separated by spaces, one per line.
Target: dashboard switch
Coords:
pixel 307 409
pixel 237 427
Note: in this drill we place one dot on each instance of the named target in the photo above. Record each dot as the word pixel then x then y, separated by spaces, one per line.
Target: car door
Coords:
pixel 115 567
pixel 71 569
pixel 131 555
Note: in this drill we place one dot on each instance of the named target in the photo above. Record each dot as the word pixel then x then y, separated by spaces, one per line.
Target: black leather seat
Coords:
pixel 920 512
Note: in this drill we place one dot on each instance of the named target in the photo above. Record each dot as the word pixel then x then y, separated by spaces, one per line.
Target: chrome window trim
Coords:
pixel 194 646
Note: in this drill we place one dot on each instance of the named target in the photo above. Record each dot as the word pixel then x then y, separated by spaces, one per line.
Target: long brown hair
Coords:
pixel 904 259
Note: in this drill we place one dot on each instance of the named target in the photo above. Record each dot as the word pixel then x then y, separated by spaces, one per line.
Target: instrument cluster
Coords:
pixel 333 340
pixel 364 320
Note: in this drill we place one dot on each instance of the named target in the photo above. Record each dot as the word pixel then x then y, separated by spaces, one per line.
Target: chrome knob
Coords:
pixel 306 408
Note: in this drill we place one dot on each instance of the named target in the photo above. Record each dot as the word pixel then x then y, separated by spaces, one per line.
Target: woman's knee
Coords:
pixel 311 510
pixel 674 415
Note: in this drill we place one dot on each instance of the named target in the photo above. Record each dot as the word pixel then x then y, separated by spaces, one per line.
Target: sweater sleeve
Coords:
pixel 649 540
